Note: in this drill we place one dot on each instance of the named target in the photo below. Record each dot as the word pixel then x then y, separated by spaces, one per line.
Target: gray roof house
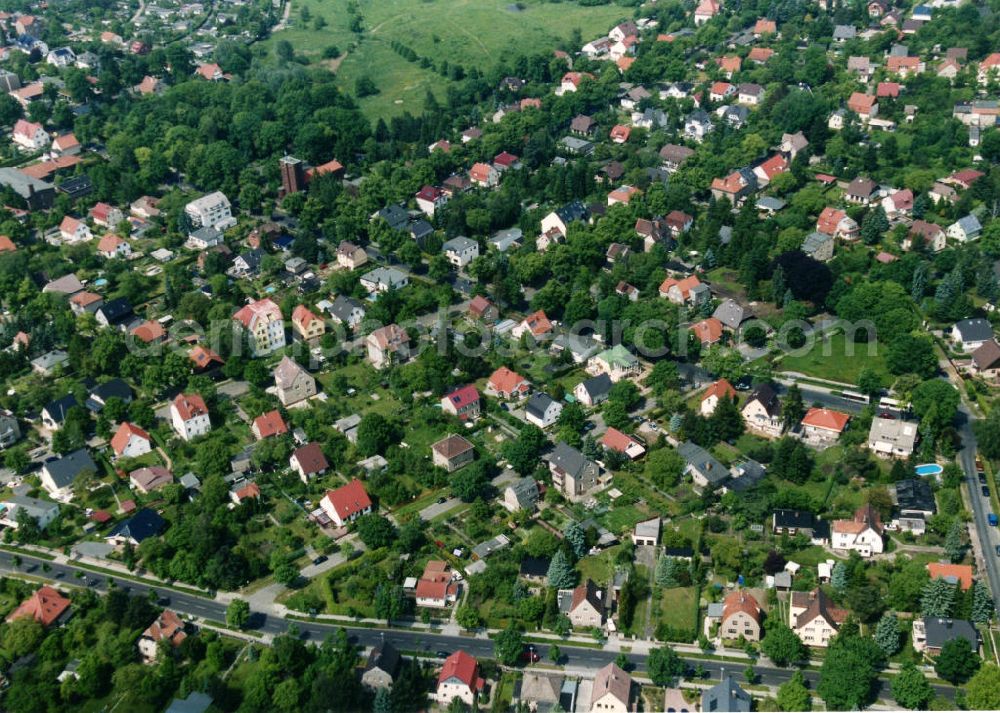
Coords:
pixel 522 494
pixel 972 333
pixel 967 228
pixel 732 314
pixel 572 472
pixel 931 633
pixel 726 695
pixel 843 33
pixel 818 246
pixel 702 466
pixel 594 390
pixel 542 410
pixel 59 475
pixel 41 511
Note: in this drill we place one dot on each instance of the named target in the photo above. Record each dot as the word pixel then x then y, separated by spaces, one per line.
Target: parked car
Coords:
pixel 530 656
pixel 320 560
pixel 986 491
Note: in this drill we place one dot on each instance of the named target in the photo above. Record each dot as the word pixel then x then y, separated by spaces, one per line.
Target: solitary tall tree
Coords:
pixel 887 633
pixel 561 574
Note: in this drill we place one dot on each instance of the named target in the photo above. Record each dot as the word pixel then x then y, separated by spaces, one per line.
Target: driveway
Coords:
pixel 435 509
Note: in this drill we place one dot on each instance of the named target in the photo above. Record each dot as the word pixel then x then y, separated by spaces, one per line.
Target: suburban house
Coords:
pixel 713 394
pixel 306 325
pixel 46 606
pixel 836 223
pixel 263 321
pixel 145 523
pixel 861 191
pixel 726 695
pixel 384 279
pixel 292 382
pixel 612 687
pixel 970 334
pixel 892 438
pixel 818 246
pixel 986 360
pixel 762 412
pixel 210 211
pixel 308 461
pixel 572 472
pixel 822 426
pixel 814 618
pixel 73 230
pixel 930 235
pixel 381 667
pixel 18 507
pixel 688 290
pixel 706 10
pixel 388 345
pixel 930 634
pixel 268 424
pixel 736 186
pixel 460 251
pixel 915 504
pixel 189 416
pixel 58 476
pixel 542 410
pixel 707 331
pixel 168 627
pixel 594 390
pixel 10 431
pixel 429 199
pixel 437 587
pixel 350 256
pixel 965 229
pixel 864 105
pixel 459 678
pixel 346 503
pixel 506 384
pixel 463 403
pixel 615 440
pixel 741 616
pixel 732 314
pixel 130 441
pixel 111 246
pixel 452 452
pixel 863 533
pixel 522 494
pixel 705 470
pixel 150 478
pixel 793 522
pixel 347 311
pixel 617 362
pixel 481 308
pixel 584 605
pixel 30 136
pixel 55 412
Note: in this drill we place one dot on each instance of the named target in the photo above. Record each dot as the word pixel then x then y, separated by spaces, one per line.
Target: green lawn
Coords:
pixel 837 360
pixel 677 608
pixel 471 33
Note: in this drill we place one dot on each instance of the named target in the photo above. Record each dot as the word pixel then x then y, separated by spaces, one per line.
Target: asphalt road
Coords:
pixel 981 506
pixel 410 642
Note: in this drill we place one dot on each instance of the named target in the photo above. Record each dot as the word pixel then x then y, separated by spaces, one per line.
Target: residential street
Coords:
pixel 214 610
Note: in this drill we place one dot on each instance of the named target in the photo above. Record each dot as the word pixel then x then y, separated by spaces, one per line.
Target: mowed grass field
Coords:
pixel 468 32
pixel 836 360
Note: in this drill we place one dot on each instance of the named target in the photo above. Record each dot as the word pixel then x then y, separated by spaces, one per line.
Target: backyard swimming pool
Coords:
pixel 929 469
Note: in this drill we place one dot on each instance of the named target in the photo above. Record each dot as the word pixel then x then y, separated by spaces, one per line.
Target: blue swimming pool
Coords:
pixel 929 469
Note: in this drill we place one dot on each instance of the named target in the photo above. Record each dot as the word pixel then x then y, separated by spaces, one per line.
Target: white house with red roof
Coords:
pixel 30 136
pixel 898 203
pixel 459 678
pixel 430 198
pixel 463 403
pixel 73 230
pixel 347 503
pixel 571 81
pixel 628 446
pixel 263 320
pixel 484 175
pixel 770 168
pixel 269 424
pixel 507 384
pixel 863 533
pixel 823 426
pixel 46 606
pixel 536 324
pixel 130 441
pixel 189 416
pixel 989 68
pixel 437 587
pixel 706 10
pixel 111 246
pixel 106 215
pixel 721 389
pixel 684 291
